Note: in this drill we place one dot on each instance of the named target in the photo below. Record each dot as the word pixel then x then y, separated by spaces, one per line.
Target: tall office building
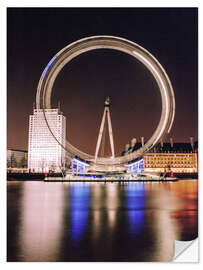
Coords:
pixel 44 152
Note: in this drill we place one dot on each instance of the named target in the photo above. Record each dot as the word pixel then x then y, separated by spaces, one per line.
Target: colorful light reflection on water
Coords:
pixel 98 221
pixel 135 195
pixel 79 201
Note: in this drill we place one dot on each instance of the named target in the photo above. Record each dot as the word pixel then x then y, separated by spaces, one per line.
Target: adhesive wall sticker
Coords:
pixel 102 154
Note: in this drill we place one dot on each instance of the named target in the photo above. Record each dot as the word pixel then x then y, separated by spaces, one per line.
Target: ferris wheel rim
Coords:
pixel 44 90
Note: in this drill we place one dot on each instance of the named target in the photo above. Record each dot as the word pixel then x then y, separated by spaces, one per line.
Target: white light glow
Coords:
pixel 115 43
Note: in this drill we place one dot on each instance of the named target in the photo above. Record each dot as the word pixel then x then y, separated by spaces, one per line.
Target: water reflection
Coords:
pixel 185 215
pixel 99 222
pixel 79 204
pixel 42 213
pixel 112 203
pixel 98 199
pixel 135 195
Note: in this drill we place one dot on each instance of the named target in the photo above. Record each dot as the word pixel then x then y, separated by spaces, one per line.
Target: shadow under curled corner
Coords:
pixel 186 251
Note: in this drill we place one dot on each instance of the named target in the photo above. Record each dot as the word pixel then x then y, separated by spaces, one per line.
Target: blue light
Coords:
pixel 78 165
pixel 79 210
pixel 48 65
pixel 135 203
pixel 135 167
pixel 75 160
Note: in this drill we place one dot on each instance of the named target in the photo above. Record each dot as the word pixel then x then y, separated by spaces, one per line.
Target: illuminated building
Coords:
pixel 171 162
pixel 78 165
pixel 44 152
pixel 136 166
pixel 165 157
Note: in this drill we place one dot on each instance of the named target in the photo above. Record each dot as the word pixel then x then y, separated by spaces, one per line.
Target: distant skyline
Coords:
pixel 35 35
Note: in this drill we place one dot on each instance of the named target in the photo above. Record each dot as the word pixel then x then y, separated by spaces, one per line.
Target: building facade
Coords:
pixel 46 153
pixel 166 158
pixel 171 162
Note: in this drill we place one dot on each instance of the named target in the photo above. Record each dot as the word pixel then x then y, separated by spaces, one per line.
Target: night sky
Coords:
pixel 35 35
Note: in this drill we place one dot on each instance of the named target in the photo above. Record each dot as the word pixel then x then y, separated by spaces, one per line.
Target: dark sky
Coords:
pixel 35 35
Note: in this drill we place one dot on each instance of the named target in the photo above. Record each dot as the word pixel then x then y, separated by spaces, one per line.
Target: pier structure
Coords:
pixel 78 165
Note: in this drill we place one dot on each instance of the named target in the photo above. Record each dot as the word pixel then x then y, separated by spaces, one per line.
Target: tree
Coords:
pixel 8 163
pixel 13 162
pixel 23 162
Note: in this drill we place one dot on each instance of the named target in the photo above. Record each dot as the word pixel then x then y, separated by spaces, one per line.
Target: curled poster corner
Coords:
pixel 186 251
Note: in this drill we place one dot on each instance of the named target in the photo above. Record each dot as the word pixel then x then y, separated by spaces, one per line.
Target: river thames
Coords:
pixel 63 222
